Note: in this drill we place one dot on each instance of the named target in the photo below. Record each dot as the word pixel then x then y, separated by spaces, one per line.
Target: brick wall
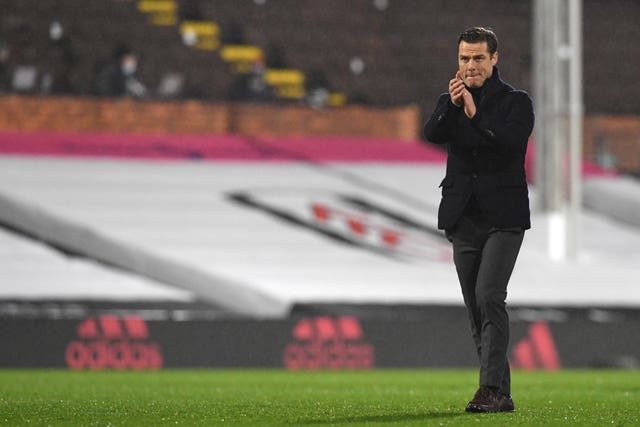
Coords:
pixel 613 141
pixel 27 113
pixel 609 140
pixel 394 123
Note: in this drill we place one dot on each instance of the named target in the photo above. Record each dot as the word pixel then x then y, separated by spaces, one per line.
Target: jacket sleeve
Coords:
pixel 511 134
pixel 440 127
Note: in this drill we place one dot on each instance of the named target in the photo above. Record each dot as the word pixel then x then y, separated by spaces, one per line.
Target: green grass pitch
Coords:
pixel 277 397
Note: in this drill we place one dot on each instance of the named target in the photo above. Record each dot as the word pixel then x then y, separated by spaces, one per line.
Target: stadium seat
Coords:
pixel 241 56
pixel 205 34
pixel 288 83
pixel 162 12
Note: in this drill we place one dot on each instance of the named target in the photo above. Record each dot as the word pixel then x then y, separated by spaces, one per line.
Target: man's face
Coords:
pixel 475 63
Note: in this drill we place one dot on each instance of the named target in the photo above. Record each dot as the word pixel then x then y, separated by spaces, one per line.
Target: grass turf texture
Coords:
pixel 274 397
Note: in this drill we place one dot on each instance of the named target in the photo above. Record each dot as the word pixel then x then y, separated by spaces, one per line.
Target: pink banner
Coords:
pixel 236 148
pixel 218 147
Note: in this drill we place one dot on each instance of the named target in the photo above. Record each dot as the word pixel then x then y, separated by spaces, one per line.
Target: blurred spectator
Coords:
pixel 5 72
pixel 252 86
pixel 24 49
pixel 60 61
pixel 171 85
pixel 24 73
pixel 118 76
pixel 317 89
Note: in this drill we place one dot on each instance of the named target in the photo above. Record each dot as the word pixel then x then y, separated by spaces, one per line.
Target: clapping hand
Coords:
pixel 461 96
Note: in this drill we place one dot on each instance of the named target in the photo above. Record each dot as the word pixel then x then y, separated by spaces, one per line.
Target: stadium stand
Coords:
pixel 42 271
pixel 96 26
pixel 397 52
pixel 199 208
pixel 304 224
pixel 402 46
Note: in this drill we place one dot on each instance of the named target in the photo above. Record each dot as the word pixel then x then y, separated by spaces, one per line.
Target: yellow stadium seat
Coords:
pixel 235 53
pixel 278 77
pixel 241 56
pixel 162 12
pixel 207 33
pixel 337 99
pixel 288 83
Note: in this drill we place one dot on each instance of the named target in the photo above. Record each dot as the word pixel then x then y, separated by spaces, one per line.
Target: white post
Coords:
pixel 575 130
pixel 558 133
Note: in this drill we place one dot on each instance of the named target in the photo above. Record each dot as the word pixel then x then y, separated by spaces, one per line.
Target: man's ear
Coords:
pixel 494 58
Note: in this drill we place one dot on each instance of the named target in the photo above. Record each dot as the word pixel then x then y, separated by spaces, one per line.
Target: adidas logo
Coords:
pixel 328 343
pixel 537 350
pixel 111 342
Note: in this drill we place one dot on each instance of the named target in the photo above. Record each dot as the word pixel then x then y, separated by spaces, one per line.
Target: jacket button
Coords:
pixel 475 176
pixel 474 152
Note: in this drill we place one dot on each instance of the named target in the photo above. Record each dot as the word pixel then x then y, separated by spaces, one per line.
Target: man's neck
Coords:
pixel 477 92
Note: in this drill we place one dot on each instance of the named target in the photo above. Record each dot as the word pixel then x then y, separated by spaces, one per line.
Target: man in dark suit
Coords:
pixel 484 211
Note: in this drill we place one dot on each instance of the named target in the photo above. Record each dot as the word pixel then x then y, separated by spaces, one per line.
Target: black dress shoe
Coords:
pixel 506 404
pixel 487 400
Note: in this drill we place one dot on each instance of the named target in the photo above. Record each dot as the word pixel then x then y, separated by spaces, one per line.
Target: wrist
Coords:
pixel 471 113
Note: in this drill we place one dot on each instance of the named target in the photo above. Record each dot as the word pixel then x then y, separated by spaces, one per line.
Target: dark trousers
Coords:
pixel 484 257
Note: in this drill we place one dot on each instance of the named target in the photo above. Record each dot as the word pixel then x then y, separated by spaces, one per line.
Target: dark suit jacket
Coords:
pixel 485 155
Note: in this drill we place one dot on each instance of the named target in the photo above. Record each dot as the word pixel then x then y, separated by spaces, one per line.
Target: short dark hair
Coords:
pixel 479 35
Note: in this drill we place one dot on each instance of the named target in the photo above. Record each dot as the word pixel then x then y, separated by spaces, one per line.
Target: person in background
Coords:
pixel 5 68
pixel 60 61
pixel 484 211
pixel 317 89
pixel 252 86
pixel 119 76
